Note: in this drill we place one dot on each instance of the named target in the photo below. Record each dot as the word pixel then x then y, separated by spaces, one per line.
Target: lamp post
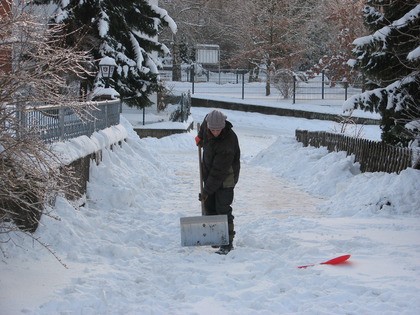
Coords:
pixel 107 66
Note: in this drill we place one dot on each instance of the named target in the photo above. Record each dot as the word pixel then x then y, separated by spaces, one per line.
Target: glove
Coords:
pixel 202 196
pixel 197 140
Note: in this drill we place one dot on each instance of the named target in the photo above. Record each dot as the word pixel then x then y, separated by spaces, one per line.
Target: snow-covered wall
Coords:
pixel 76 148
pixel 79 152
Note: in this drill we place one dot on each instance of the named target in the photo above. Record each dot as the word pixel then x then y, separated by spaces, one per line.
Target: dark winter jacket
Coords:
pixel 221 155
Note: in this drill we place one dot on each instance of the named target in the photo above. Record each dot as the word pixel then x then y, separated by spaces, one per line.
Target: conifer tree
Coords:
pixel 389 58
pixel 125 30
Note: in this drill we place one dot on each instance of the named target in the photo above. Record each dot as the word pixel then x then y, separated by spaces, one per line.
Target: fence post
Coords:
pixel 322 83
pixel 182 107
pixel 106 114
pixel 192 78
pixel 305 138
pixel 21 119
pixel 294 89
pixel 346 85
pixel 61 122
pixel 93 121
pixel 243 84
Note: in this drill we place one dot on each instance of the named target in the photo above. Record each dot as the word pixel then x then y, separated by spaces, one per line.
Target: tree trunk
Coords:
pixel 176 63
pixel 267 84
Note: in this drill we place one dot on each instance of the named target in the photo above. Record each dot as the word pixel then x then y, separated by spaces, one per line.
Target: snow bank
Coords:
pixel 337 177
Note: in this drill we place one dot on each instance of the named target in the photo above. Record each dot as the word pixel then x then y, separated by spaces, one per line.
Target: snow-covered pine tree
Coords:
pixel 125 30
pixel 390 60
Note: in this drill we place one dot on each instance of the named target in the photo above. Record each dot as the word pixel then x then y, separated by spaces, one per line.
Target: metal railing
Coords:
pixel 241 84
pixel 58 123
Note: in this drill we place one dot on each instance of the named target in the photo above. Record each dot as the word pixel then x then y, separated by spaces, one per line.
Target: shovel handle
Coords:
pixel 200 165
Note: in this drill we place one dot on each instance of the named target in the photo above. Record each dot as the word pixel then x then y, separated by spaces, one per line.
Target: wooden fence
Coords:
pixel 373 156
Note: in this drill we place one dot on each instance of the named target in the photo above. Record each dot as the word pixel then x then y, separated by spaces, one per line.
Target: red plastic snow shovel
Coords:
pixel 334 261
pixel 204 230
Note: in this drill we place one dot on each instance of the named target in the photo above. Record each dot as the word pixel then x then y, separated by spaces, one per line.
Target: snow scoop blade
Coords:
pixel 204 230
pixel 337 260
pixel 334 261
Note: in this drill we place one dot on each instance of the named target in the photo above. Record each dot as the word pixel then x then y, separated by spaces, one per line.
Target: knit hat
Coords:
pixel 216 120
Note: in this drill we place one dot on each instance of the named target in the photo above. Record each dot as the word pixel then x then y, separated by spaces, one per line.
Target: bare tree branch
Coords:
pixel 35 69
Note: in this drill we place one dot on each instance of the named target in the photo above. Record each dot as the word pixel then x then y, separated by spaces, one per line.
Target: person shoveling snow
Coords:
pixel 220 168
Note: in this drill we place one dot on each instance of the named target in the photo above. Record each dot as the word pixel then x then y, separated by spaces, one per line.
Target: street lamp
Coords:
pixel 107 66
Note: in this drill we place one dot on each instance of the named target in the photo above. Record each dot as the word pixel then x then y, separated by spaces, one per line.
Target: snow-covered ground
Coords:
pixel 293 206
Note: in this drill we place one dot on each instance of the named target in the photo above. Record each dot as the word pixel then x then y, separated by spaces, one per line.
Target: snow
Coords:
pixel 351 62
pixel 414 54
pixel 138 51
pixel 293 206
pixel 102 91
pixel 165 16
pixel 380 35
pixel 408 18
pixel 107 61
pixel 74 149
pixel 103 24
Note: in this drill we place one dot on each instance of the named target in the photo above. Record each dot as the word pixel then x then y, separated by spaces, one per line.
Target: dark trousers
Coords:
pixel 219 203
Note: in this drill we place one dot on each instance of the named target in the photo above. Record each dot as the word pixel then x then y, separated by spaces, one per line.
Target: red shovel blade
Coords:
pixel 334 261
pixel 337 260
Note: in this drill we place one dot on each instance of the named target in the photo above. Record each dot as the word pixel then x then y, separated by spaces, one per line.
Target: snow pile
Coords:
pixel 336 176
pixel 293 206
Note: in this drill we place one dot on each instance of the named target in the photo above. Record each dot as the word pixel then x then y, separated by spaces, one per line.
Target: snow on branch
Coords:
pixel 138 51
pixel 414 54
pixel 103 24
pixel 410 18
pixel 165 16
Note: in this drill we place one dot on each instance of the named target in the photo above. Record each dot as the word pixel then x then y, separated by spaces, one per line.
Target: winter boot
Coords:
pixel 225 249
pixel 231 236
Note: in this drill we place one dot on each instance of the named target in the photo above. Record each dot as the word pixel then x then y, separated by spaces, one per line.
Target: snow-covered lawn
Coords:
pixel 293 206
